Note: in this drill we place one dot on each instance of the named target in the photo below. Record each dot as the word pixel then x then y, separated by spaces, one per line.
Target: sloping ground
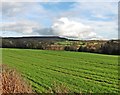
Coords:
pixel 80 72
pixel 12 82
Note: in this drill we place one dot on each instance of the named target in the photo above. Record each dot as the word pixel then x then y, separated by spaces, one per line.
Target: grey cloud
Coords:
pixel 11 9
pixel 25 27
pixel 44 31
pixel 62 27
pixel 21 9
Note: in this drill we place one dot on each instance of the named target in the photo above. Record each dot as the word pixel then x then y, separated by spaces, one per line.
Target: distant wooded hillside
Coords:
pixel 59 43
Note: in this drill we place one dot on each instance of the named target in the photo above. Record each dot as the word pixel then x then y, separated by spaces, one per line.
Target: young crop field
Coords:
pixel 78 71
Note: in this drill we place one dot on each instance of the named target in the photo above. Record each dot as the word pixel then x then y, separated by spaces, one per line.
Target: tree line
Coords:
pixel 108 47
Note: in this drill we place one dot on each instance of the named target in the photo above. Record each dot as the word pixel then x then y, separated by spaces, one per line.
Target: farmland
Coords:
pixel 80 72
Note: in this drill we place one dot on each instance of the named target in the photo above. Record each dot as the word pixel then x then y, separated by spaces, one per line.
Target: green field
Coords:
pixel 80 72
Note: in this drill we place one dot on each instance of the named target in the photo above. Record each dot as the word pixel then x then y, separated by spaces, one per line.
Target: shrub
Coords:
pixel 12 82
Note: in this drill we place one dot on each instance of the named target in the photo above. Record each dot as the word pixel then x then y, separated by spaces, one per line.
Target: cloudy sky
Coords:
pixel 78 20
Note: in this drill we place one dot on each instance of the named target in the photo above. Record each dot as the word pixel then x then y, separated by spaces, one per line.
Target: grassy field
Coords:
pixel 80 72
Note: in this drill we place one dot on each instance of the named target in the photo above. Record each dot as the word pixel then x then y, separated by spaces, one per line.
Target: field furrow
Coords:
pixel 80 72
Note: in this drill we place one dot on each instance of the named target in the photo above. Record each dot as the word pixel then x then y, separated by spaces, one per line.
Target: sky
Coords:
pixel 77 20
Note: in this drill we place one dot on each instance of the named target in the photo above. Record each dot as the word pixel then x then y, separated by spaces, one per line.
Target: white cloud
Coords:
pixel 65 27
pixel 24 27
pixel 107 29
pixel 72 29
pixel 60 0
pixel 81 25
pixel 95 8
pixel 21 0
pixel 103 17
pixel 11 9
pixel 62 27
pixel 21 9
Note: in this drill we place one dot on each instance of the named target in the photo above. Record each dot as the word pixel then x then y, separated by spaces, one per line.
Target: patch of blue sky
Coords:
pixel 57 7
pixel 46 21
